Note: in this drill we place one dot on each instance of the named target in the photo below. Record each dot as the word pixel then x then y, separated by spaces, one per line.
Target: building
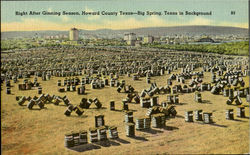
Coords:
pixel 132 36
pixel 125 37
pixel 130 39
pixel 137 43
pixel 139 38
pixel 74 34
pixel 148 39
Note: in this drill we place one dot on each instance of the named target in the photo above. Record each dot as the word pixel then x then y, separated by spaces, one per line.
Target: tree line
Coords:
pixel 232 48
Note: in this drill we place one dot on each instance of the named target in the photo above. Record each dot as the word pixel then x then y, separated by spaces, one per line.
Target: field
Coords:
pixel 41 131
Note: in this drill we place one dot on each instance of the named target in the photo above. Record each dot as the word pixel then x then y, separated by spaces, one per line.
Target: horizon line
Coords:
pixel 127 29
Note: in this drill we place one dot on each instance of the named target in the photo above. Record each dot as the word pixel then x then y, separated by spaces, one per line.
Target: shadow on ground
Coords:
pixel 122 141
pixel 84 147
pixel 206 102
pixel 139 138
pixel 179 116
pixel 238 120
pixel 75 115
pixel 170 128
pixel 152 131
pixel 181 104
pixel 98 145
pixel 212 124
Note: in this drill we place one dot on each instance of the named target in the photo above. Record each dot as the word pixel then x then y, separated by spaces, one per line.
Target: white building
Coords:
pixel 148 39
pixel 125 37
pixel 73 34
pixel 130 38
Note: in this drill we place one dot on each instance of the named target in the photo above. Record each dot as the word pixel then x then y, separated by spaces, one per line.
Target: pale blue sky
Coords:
pixel 221 14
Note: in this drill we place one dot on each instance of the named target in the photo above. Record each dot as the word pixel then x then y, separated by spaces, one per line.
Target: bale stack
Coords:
pixel 97 103
pixel 69 140
pixel 102 135
pixel 176 99
pixel 99 120
pixel 145 102
pixel 125 104
pixel 129 117
pixel 198 115
pixel 76 138
pixel 215 90
pixel 226 92
pixel 146 122
pixel 241 111
pixel 39 90
pixel 83 137
pixel 158 120
pixel 139 124
pixel 207 118
pixel 130 129
pixel 81 90
pixel 8 90
pixel 171 111
pixel 21 100
pixel 93 135
pixel 198 97
pixel 84 103
pixel 189 116
pixel 170 99
pixel 113 133
pixel 230 114
pixel 154 101
pixel 112 105
pixel 69 110
pixel 31 104
pixel 78 110
pixel 137 99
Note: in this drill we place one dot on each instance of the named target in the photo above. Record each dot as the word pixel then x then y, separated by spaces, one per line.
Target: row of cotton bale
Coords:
pixel 86 103
pixel 27 84
pixel 206 117
pixel 240 112
pixel 42 100
pixel 66 59
pixel 68 88
pixel 95 134
pixel 167 62
pixel 168 110
pixel 70 108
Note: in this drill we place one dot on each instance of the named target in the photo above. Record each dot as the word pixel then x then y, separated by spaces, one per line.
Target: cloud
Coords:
pixel 242 25
pixel 155 20
pixel 64 18
pixel 31 24
pixel 129 23
pixel 200 21
pixel 88 9
pixel 204 21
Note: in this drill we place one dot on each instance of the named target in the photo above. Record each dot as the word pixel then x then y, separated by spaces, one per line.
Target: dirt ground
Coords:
pixel 27 131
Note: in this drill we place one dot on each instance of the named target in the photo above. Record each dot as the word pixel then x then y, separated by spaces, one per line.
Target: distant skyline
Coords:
pixel 221 14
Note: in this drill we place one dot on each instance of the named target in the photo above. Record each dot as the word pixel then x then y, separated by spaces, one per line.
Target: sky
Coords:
pixel 221 14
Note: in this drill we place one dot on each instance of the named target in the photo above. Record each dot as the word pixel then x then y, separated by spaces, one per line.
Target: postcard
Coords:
pixel 125 77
